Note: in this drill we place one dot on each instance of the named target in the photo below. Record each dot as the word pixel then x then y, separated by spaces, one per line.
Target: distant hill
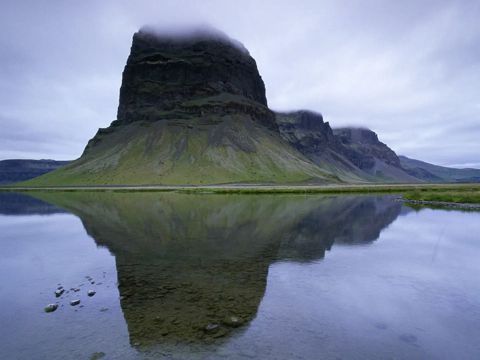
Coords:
pixel 436 173
pixel 12 171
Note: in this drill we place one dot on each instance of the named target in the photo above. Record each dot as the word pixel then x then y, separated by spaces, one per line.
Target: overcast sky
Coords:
pixel 409 70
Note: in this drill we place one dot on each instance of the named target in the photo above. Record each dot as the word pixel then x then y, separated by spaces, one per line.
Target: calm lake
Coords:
pixel 183 276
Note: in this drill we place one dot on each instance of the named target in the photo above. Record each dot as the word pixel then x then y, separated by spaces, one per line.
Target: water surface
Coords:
pixel 236 276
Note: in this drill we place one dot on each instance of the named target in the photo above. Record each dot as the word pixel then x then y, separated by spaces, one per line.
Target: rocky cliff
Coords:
pixel 307 132
pixel 353 154
pixel 366 148
pixel 171 76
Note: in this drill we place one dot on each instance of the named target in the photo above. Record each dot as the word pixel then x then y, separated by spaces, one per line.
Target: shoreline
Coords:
pixel 256 188
pixel 403 190
pixel 441 204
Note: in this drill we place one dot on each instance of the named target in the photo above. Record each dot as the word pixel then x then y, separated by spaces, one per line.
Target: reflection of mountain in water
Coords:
pixel 345 220
pixel 194 267
pixel 20 204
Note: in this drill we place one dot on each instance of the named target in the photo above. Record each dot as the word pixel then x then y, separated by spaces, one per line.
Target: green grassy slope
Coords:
pixel 209 150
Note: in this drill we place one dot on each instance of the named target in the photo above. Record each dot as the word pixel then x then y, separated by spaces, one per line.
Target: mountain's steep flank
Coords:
pixel 192 110
pixel 435 173
pixel 350 153
pixel 14 170
pixel 368 153
pixel 366 148
pixel 314 138
pixel 306 130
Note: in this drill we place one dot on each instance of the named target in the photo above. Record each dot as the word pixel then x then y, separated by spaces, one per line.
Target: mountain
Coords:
pixel 373 157
pixel 353 154
pixel 308 133
pixel 15 170
pixel 435 173
pixel 192 110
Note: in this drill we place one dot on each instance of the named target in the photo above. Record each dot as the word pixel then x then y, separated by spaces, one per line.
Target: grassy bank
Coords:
pixel 463 196
pixel 455 192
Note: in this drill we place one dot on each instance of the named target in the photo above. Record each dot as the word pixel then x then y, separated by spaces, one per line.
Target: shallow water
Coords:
pixel 180 276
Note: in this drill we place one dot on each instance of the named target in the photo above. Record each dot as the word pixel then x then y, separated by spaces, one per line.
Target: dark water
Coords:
pixel 181 276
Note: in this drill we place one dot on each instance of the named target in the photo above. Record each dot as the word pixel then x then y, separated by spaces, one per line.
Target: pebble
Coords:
pixel 51 308
pixel 75 302
pixel 211 328
pixel 97 355
pixel 232 321
pixel 91 293
pixel 59 292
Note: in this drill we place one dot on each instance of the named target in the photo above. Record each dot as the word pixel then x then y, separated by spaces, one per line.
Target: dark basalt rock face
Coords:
pixel 354 154
pixel 365 148
pixel 189 75
pixel 314 138
pixel 306 130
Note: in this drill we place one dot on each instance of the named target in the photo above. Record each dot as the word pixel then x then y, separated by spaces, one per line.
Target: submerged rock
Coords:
pixel 51 308
pixel 233 321
pixel 212 328
pixel 97 355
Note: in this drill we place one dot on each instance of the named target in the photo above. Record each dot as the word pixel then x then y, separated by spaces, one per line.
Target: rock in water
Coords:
pixel 91 293
pixel 233 321
pixel 51 308
pixel 97 355
pixel 75 302
pixel 59 292
pixel 212 328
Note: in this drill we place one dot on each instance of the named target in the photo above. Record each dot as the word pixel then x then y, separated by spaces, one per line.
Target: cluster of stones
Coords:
pixel 60 291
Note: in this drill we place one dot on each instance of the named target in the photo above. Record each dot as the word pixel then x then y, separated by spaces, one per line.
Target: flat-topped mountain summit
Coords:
pixel 170 76
pixel 193 110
